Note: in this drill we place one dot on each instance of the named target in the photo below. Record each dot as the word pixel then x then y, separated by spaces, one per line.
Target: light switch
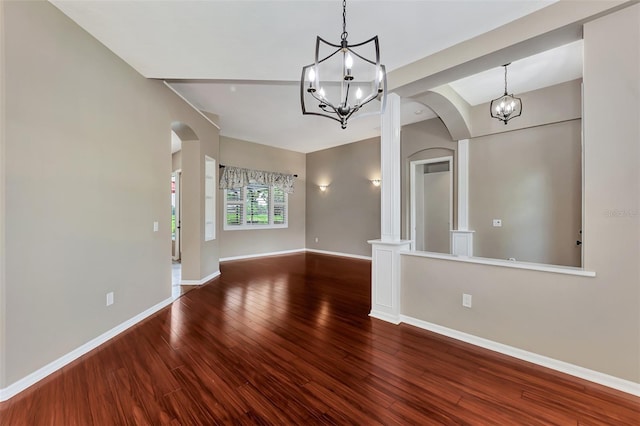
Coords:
pixel 155 226
pixel 466 300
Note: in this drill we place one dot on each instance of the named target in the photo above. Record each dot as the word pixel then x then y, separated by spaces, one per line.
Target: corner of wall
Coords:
pixel 2 200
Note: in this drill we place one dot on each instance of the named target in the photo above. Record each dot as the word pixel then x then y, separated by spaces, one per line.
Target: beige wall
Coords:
pixel 3 305
pixel 590 322
pixel 199 258
pixel 531 179
pixel 238 153
pixel 88 166
pixel 347 214
pixel 541 149
pixel 553 104
pixel 436 209
pixel 190 226
pixel 176 161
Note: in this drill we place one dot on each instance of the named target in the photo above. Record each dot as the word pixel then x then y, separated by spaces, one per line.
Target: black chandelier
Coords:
pixel 357 80
pixel 506 106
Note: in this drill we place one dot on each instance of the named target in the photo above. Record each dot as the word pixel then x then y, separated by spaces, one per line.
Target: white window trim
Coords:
pixel 209 194
pixel 247 226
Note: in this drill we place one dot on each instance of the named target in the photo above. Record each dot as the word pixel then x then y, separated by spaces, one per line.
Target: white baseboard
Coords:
pixel 252 256
pixel 201 281
pixel 22 384
pixel 385 317
pixel 278 253
pixel 335 253
pixel 554 364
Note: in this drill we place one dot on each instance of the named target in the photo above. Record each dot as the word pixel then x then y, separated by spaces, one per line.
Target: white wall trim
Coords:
pixel 554 364
pixel 567 270
pixel 279 253
pixel 335 253
pixel 393 319
pixel 22 384
pixel 200 281
pixel 462 243
pixel 255 255
pixel 386 279
pixel 412 196
pixel 463 185
pixel 191 105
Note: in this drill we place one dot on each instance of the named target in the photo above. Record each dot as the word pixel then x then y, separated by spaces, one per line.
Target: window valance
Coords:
pixel 236 177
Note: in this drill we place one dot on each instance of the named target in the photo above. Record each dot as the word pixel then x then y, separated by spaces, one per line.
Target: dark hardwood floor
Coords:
pixel 287 340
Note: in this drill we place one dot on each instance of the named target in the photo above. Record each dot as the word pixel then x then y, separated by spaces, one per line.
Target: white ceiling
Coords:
pixel 545 69
pixel 241 60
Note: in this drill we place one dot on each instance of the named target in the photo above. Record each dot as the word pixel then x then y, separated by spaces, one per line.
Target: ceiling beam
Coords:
pixel 552 26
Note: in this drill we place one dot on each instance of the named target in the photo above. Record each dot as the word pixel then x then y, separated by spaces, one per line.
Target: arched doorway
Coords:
pixel 183 140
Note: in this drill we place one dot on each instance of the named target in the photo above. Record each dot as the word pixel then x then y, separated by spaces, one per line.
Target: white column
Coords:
pixel 462 238
pixel 390 170
pixel 385 264
pixel 463 185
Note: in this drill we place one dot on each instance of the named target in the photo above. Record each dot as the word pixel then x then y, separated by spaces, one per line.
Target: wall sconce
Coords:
pixel 376 182
pixel 323 187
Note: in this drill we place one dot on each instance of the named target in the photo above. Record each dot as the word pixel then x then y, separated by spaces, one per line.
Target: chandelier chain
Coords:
pixel 344 20
pixel 505 79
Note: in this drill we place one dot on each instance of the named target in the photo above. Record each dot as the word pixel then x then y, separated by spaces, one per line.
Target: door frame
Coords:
pixel 412 186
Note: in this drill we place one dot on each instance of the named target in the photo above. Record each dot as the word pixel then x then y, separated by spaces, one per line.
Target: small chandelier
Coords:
pixel 506 106
pixel 357 80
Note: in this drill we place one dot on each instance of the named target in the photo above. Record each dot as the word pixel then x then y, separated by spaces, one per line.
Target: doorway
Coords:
pixel 175 216
pixel 176 241
pixel 432 204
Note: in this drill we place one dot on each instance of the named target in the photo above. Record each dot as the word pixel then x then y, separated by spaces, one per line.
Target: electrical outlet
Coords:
pixel 466 300
pixel 497 223
pixel 110 298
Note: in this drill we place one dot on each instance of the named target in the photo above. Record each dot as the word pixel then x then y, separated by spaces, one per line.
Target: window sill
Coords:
pixel 253 227
pixel 567 270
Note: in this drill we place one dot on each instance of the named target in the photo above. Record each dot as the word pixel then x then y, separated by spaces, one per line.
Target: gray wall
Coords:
pixel 347 214
pixel 238 153
pixel 531 179
pixel 88 164
pixel 589 322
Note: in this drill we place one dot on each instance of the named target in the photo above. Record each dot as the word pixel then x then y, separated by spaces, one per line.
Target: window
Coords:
pixel 255 207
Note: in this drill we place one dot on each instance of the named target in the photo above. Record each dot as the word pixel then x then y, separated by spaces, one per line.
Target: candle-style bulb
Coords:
pixel 348 61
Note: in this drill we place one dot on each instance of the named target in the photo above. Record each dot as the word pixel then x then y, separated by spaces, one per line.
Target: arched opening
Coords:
pixel 184 143
pixel 431 178
pixel 451 108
